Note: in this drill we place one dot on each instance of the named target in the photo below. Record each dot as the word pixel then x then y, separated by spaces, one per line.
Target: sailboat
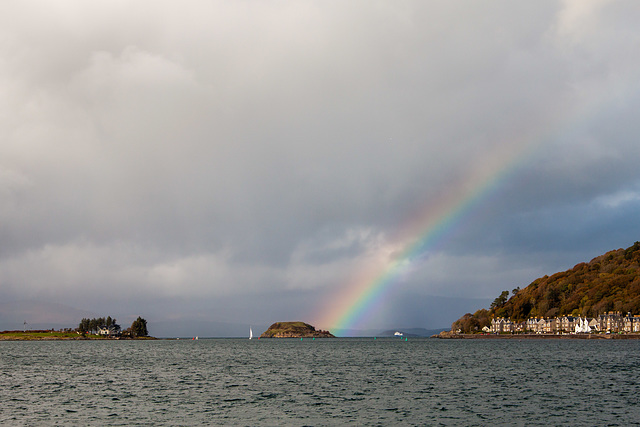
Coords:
pixel 250 333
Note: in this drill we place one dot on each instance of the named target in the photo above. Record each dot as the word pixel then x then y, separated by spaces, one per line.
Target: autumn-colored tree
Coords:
pixel 606 283
pixel 501 300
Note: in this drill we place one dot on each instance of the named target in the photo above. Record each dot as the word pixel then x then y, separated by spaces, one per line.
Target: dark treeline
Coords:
pixel 94 325
pixel 138 328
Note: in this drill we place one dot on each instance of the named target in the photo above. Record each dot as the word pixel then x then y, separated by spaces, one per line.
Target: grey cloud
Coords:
pixel 216 150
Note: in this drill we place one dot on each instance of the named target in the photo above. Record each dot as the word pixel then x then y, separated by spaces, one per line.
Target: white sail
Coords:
pixel 250 333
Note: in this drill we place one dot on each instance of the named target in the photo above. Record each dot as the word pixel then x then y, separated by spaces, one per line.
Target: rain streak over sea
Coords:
pixel 361 381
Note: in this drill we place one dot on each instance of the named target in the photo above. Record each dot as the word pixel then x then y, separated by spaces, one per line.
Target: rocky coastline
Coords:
pixel 294 330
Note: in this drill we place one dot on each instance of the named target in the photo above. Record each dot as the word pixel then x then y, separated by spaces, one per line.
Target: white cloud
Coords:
pixel 577 19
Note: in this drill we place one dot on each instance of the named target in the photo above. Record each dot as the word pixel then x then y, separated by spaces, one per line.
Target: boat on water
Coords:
pixel 250 333
pixel 398 334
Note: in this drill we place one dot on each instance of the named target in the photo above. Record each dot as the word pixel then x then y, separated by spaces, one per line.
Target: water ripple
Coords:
pixel 321 382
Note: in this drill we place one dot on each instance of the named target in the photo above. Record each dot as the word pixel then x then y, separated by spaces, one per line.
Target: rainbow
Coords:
pixel 365 294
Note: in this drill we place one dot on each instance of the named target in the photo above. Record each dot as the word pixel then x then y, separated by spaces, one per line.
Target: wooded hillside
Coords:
pixel 610 282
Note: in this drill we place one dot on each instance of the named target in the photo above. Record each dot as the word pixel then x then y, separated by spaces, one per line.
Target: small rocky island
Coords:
pixel 294 330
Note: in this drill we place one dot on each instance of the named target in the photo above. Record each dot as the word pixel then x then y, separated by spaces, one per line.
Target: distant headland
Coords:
pixel 89 329
pixel 596 298
pixel 294 330
pixel 53 335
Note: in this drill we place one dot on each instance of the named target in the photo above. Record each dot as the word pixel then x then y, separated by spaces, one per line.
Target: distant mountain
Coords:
pixel 609 282
pixel 362 333
pixel 411 332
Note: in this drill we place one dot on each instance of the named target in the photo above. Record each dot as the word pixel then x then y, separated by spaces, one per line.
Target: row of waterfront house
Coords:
pixel 610 322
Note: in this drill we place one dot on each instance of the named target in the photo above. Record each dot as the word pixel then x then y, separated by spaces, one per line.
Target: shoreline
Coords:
pixel 73 339
pixel 44 335
pixel 451 336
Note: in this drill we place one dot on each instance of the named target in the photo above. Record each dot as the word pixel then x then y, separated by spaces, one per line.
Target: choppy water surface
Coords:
pixel 339 381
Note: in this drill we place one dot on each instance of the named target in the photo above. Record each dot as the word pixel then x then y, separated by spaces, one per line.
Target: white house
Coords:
pixel 107 331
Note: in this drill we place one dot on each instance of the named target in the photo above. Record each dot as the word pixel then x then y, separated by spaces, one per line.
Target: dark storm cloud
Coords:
pixel 217 150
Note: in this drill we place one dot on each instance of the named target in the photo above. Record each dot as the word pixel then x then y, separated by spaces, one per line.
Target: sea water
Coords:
pixel 320 382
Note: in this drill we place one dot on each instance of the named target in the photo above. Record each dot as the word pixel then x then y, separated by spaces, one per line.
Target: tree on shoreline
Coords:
pixel 139 328
pixel 95 324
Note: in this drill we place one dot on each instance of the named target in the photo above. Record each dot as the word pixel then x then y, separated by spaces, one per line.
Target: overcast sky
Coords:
pixel 242 161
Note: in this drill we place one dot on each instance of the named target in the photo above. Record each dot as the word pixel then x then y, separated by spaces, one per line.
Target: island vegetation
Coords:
pixel 96 328
pixel 294 330
pixel 607 283
pixel 95 325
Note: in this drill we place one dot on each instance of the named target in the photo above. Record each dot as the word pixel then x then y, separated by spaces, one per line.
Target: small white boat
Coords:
pixel 398 334
pixel 250 333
